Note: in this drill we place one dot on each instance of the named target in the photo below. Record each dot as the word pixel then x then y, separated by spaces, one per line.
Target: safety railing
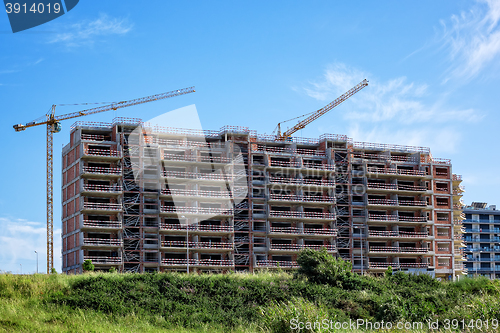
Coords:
pixel 301 215
pixel 196 210
pixel 190 158
pixel 102 188
pixel 102 171
pixel 397 249
pixel 318 166
pixel 197 175
pixel 284 164
pixel 397 265
pixel 95 137
pixel 103 260
pixel 298 247
pixel 102 152
pixel 102 224
pixel 394 171
pixel 382 202
pixel 197 262
pixel 412 203
pixel 198 245
pixel 398 234
pixel 196 193
pixel 303 231
pixel 102 206
pixel 277 263
pixel 195 227
pixel 299 181
pixel 302 198
pixel 102 242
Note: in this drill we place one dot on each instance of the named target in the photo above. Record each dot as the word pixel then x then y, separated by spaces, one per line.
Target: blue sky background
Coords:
pixel 432 65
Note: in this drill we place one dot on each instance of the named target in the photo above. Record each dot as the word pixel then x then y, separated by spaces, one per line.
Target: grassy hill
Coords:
pixel 266 302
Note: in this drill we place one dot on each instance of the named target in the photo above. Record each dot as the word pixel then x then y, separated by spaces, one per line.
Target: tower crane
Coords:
pixel 315 115
pixel 53 125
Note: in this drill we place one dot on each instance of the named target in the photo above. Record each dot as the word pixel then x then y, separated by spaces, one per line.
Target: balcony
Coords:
pixel 198 228
pixel 397 249
pixel 276 264
pixel 196 193
pixel 198 245
pixel 298 247
pixel 115 188
pixel 301 198
pixel 197 175
pixel 102 153
pixel 102 171
pixel 384 265
pixel 197 262
pixel 482 249
pixel 301 215
pixel 396 234
pixel 99 260
pixel 393 171
pixel 196 211
pixel 102 242
pixel 102 206
pixel 299 181
pixel 94 224
pixel 304 231
pixel 480 230
pixel 484 259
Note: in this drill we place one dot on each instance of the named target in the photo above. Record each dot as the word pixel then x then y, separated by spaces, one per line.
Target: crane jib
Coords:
pixel 322 111
pixel 53 126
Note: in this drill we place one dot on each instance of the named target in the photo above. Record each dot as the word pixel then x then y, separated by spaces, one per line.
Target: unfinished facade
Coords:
pixel 236 200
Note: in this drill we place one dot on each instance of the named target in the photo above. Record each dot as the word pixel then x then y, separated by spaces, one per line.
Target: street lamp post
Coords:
pixel 36 262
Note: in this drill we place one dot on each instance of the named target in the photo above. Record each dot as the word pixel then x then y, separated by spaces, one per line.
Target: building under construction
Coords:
pixel 142 198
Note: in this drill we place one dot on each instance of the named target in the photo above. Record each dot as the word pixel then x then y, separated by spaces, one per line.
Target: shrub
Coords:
pixel 53 271
pixel 88 266
pixel 321 267
pixel 112 270
pixel 388 272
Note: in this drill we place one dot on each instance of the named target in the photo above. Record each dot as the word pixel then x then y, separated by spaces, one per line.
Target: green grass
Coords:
pixel 266 302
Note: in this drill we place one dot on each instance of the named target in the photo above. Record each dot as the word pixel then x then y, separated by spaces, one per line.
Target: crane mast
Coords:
pixel 53 125
pixel 283 136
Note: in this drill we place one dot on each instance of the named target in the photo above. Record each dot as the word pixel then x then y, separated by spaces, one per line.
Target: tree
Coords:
pixel 88 266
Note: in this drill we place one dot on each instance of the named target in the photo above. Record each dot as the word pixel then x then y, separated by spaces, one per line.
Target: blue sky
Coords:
pixel 432 65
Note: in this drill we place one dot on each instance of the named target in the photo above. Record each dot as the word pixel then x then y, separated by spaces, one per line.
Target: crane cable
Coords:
pixel 291 120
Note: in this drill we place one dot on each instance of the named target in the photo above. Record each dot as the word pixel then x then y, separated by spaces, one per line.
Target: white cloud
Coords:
pixel 19 239
pixel 472 40
pixel 395 99
pixel 85 33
